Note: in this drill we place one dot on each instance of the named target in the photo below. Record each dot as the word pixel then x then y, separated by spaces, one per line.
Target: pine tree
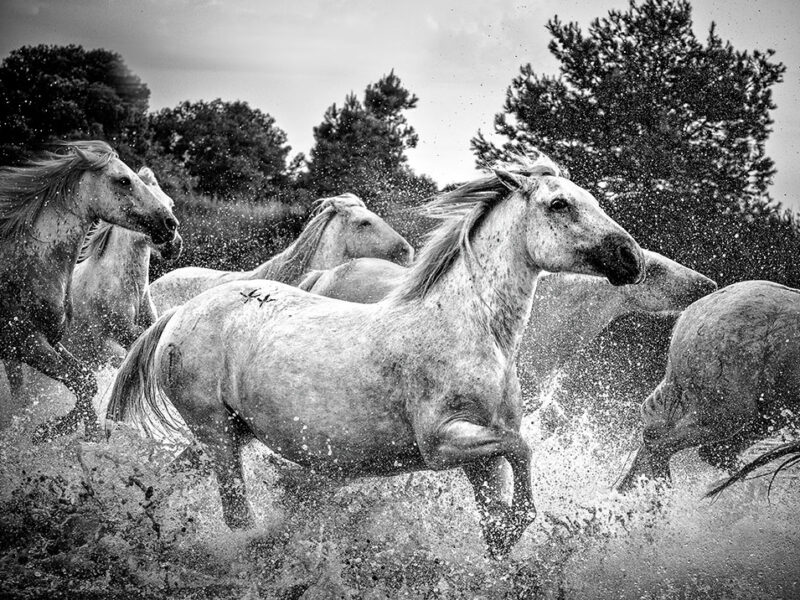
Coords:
pixel 360 146
pixel 667 131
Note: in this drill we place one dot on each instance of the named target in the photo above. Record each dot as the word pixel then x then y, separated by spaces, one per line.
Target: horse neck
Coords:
pixel 56 237
pixel 331 248
pixel 282 267
pixel 491 293
pixel 568 312
pixel 290 265
pixel 127 257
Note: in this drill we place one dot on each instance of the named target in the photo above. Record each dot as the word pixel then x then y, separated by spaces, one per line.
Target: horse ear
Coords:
pixel 80 153
pixel 512 181
pixel 147 176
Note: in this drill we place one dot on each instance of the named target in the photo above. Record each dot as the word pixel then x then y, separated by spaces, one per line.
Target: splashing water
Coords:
pixel 105 520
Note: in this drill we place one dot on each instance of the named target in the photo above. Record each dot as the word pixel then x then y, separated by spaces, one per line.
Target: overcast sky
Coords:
pixel 294 58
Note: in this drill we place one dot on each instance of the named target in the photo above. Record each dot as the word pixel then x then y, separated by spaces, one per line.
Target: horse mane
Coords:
pixel 95 241
pixel 290 264
pixel 462 210
pixel 48 179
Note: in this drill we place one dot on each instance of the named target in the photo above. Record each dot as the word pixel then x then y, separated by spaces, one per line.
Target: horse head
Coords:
pixel 566 228
pixel 116 194
pixel 354 231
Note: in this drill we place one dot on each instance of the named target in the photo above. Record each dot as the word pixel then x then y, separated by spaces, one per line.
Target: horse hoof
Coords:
pixel 524 517
pixel 499 546
pixel 92 431
pixel 240 523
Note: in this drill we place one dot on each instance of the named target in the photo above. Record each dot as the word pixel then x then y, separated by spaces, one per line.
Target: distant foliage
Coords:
pixel 360 147
pixel 232 235
pixel 668 131
pixel 233 150
pixel 67 92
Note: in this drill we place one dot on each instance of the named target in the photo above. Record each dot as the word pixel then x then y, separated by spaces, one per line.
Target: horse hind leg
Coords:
pixel 223 438
pixel 670 426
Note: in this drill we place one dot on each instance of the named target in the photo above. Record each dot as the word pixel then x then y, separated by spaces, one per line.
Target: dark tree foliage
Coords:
pixel 360 147
pixel 667 131
pixel 231 149
pixel 67 92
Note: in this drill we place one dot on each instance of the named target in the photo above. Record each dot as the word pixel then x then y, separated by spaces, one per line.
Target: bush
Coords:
pixel 232 235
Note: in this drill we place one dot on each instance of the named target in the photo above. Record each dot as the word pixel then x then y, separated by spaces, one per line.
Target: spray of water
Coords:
pixel 107 520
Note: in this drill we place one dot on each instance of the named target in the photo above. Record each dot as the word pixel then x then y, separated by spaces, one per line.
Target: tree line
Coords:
pixel 227 150
pixel 667 130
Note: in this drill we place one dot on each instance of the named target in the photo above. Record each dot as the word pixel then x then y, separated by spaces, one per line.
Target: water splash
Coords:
pixel 105 519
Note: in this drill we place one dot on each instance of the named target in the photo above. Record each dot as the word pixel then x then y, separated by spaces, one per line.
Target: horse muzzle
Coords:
pixel 620 260
pixel 164 230
pixel 172 249
pixel 403 255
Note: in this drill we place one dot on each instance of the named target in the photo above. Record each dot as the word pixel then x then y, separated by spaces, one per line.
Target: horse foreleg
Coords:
pixel 127 334
pixel 56 362
pixel 479 451
pixel 147 311
pixel 502 524
pixel 488 478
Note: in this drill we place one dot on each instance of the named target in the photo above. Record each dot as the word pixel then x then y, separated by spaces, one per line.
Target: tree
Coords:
pixel 669 132
pixel 360 147
pixel 232 149
pixel 49 92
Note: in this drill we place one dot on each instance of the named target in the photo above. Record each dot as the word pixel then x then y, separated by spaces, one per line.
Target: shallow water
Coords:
pixel 100 520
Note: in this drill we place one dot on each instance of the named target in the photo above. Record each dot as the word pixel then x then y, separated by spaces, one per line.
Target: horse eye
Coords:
pixel 126 181
pixel 559 204
pixel 364 224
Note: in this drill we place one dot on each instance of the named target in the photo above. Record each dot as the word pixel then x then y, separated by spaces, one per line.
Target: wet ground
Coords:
pixel 81 520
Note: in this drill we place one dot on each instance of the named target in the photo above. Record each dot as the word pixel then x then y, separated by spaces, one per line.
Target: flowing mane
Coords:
pixel 48 179
pixel 293 262
pixel 95 242
pixel 462 210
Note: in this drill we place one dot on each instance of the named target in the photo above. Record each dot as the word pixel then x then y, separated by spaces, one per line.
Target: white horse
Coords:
pixel 46 209
pixel 568 310
pixel 342 228
pixel 424 379
pixel 732 378
pixel 110 288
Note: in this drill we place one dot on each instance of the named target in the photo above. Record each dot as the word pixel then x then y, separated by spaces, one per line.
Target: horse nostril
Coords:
pixel 171 223
pixel 626 256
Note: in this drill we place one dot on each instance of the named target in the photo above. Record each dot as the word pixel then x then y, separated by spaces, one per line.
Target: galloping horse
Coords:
pixel 342 228
pixel 568 310
pixel 110 288
pixel 733 376
pixel 46 209
pixel 424 379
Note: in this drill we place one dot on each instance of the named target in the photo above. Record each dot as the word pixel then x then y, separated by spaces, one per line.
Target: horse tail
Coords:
pixel 792 448
pixel 310 280
pixel 135 395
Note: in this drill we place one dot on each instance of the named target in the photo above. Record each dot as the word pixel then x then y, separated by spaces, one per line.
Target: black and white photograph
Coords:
pixel 363 299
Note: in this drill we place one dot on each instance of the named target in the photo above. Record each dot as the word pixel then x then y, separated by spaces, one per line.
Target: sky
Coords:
pixel 294 58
